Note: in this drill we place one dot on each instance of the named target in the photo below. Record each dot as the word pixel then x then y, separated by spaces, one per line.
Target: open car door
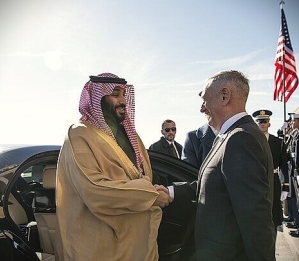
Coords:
pixel 176 232
pixel 175 240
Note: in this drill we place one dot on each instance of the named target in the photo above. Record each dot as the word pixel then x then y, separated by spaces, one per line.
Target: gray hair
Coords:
pixel 235 79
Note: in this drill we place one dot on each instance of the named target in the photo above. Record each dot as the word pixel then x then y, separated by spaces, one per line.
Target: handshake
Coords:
pixel 164 198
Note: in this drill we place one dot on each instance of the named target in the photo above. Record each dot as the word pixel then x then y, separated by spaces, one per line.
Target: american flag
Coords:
pixel 285 79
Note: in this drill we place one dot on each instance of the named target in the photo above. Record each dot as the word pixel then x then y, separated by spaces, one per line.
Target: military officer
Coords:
pixel 279 155
pixel 293 149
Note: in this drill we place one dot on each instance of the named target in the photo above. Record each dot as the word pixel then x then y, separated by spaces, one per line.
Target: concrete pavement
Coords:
pixel 287 247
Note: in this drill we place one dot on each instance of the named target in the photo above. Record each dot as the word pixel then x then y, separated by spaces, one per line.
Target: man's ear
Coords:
pixel 225 92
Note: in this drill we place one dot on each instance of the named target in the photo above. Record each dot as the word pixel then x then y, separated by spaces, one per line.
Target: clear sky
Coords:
pixel 165 48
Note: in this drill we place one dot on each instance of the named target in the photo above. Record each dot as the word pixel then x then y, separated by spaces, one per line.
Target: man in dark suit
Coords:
pixel 198 144
pixel 279 154
pixel 167 144
pixel 235 183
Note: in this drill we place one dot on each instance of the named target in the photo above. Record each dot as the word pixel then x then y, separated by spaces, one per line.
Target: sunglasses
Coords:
pixel 168 129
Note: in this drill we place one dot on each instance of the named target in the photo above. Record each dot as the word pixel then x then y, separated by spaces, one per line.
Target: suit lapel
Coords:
pixel 164 142
pixel 208 158
pixel 212 152
pixel 208 138
pixel 217 146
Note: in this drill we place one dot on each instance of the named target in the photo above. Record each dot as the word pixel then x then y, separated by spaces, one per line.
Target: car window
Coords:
pixel 174 233
pixel 33 174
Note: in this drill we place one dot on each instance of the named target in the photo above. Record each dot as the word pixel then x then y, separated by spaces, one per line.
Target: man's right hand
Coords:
pixel 163 199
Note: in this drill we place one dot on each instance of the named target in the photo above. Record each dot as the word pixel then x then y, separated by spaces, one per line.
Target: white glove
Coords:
pixel 283 195
pixel 283 127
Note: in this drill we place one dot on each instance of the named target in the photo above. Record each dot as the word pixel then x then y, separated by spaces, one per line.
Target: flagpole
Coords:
pixel 283 72
pixel 286 78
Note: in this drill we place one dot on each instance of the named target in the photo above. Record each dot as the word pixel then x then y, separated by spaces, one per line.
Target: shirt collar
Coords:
pixel 214 130
pixel 231 121
pixel 169 142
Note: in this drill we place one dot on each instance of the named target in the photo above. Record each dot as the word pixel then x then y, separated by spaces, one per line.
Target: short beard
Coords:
pixel 107 107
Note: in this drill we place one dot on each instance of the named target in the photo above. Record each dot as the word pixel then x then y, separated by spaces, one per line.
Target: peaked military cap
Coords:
pixel 290 116
pixel 295 116
pixel 262 115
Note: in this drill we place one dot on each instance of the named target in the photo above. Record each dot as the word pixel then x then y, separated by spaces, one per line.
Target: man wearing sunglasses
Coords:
pixel 279 155
pixel 167 144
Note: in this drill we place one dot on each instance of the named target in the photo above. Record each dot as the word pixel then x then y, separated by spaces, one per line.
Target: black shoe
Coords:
pixel 288 219
pixel 292 225
pixel 294 233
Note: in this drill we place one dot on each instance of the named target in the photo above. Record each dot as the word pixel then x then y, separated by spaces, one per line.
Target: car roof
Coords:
pixel 16 154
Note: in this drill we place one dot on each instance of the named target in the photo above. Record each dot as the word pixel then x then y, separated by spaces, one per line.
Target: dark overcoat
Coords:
pixel 163 146
pixel 197 145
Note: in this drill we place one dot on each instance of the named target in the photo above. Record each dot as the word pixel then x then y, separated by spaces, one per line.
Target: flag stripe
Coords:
pixel 285 77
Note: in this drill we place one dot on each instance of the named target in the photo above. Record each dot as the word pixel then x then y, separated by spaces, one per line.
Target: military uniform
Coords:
pixel 293 150
pixel 279 155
